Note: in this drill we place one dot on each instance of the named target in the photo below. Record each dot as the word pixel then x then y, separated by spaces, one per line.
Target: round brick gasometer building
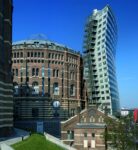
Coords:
pixel 47 70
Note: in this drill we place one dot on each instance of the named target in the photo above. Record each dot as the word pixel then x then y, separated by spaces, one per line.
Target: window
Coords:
pixel 52 56
pixel 14 55
pixel 37 71
pixel 104 57
pixel 107 91
pixel 101 119
pixel 38 54
pixel 55 56
pixel 55 89
pixel 72 112
pixel 85 134
pixel 101 81
pixel 28 54
pixel 103 34
pixel 104 62
pixel 31 54
pixel 93 135
pixel 108 97
pixel 33 71
pixel 103 98
pixel 104 22
pixel 49 55
pixel 35 88
pixel 16 72
pixel 54 73
pixel 102 86
pixel 99 54
pixel 103 40
pixel 70 134
pixel 92 119
pixel 99 59
pixel 103 28
pixel 101 75
pixel 57 73
pixel 99 37
pixel 104 16
pixel 102 92
pixel 100 70
pixel 98 43
pixel 106 80
pixel 100 25
pixel 21 54
pixel 42 54
pixel 35 54
pixel 99 31
pixel 18 55
pixel 72 90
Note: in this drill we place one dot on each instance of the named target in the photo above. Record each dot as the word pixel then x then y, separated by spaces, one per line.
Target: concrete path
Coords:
pixel 4 146
pixel 19 136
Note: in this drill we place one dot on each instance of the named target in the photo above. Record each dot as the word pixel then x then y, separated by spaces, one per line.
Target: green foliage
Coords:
pixel 36 142
pixel 121 133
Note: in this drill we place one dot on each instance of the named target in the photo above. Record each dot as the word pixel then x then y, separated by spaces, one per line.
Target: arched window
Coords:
pixel 55 56
pixel 92 119
pixel 55 89
pixel 101 119
pixel 72 90
pixel 54 73
pixel 57 73
pixel 52 56
pixel 33 71
pixel 18 55
pixel 37 71
pixel 35 88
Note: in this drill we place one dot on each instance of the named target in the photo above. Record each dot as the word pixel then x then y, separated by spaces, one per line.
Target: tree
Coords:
pixel 121 133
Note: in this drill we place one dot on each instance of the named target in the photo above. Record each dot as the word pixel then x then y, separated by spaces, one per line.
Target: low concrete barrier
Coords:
pixel 58 142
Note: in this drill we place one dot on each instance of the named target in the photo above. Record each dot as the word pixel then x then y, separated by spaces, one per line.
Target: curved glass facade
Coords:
pixel 99 60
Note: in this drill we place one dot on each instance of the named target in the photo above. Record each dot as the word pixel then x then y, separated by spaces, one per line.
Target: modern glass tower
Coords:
pixel 99 60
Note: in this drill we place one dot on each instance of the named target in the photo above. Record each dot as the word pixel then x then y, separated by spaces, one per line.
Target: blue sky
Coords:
pixel 63 21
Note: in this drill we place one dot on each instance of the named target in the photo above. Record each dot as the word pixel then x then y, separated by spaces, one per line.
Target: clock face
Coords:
pixel 56 104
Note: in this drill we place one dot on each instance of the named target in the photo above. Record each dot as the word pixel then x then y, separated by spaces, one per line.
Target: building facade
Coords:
pixel 85 130
pixel 46 69
pixel 99 60
pixel 6 86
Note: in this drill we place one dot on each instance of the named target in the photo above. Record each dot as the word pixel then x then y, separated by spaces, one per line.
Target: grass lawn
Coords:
pixel 36 142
